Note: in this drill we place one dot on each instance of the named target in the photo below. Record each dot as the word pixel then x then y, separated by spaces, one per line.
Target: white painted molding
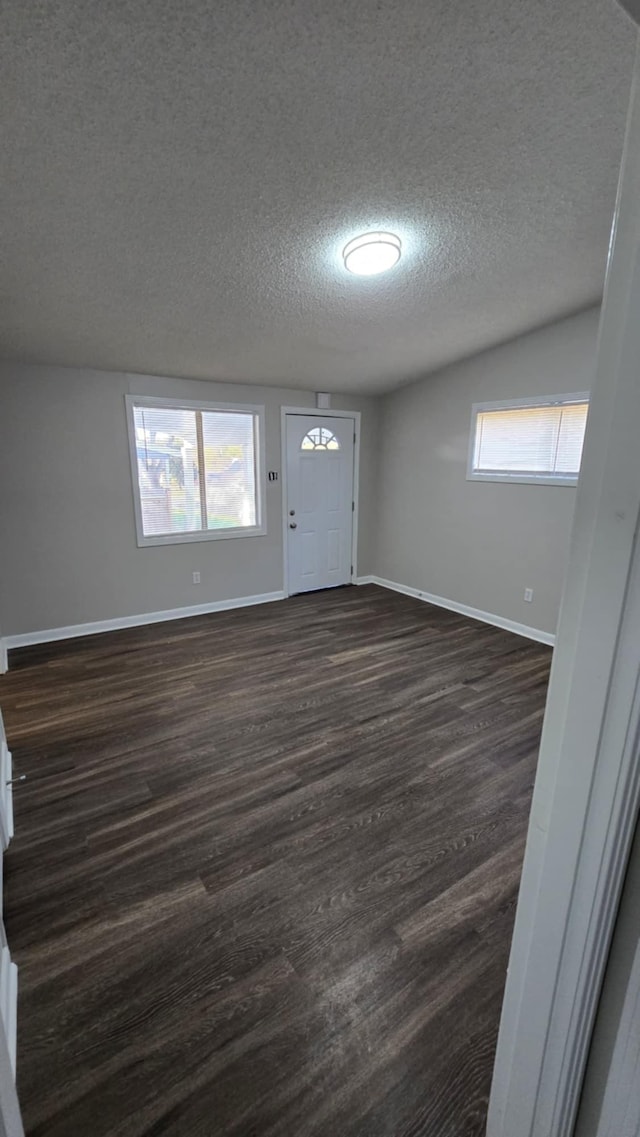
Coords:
pixel 6 793
pixel 12 1030
pixel 587 789
pixel 621 1105
pixel 258 412
pixel 10 1120
pixel 72 631
pixel 311 412
pixel 4 663
pixel 9 1003
pixel 463 610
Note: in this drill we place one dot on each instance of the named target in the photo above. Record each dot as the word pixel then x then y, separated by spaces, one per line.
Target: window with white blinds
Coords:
pixel 196 470
pixel 528 440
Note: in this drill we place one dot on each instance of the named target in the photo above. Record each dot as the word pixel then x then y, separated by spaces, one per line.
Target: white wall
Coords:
pixel 69 548
pixel 479 543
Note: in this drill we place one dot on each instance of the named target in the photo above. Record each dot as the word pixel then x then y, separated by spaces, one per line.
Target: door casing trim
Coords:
pixel 587 787
pixel 316 412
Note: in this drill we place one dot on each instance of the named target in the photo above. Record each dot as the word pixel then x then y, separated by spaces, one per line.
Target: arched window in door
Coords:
pixel 320 438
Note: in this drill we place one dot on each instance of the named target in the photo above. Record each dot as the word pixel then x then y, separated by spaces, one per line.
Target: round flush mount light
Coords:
pixel 372 253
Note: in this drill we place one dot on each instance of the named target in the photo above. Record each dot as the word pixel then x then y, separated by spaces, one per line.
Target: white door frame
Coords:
pixel 612 1108
pixel 10 1119
pixel 587 787
pixel 316 412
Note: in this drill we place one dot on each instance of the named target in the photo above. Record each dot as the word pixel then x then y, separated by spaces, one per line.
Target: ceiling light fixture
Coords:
pixel 372 253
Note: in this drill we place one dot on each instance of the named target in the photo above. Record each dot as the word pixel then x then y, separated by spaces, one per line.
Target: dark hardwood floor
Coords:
pixel 265 869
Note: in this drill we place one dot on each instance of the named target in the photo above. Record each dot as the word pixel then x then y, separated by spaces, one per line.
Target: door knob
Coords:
pixel 293 524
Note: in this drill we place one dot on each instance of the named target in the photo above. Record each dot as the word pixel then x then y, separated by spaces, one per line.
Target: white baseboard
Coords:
pixel 464 610
pixel 74 630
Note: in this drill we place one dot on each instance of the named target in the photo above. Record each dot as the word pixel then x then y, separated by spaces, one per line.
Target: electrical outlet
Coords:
pixel 196 578
pixel 528 594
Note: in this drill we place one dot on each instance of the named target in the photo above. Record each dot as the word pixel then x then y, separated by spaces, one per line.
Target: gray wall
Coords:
pixel 66 512
pixel 479 543
pixel 69 550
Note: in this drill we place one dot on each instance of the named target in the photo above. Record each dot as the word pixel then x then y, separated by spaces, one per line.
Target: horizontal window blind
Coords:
pixel 196 470
pixel 229 459
pixel 168 470
pixel 539 441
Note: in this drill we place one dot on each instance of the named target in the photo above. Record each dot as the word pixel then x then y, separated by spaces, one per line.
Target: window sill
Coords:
pixel 525 479
pixel 211 535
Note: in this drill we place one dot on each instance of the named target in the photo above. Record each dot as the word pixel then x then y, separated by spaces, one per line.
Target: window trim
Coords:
pixel 161 401
pixel 516 477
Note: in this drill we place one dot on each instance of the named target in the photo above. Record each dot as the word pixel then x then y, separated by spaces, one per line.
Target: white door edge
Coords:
pixel 587 786
pixel 311 412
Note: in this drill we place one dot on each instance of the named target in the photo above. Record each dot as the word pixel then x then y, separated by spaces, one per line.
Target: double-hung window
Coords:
pixel 528 440
pixel 197 470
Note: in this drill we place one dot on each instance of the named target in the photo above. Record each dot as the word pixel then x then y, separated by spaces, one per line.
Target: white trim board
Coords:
pixel 311 412
pixel 4 663
pixel 514 476
pixel 587 788
pixel 620 1115
pixel 132 402
pixel 72 631
pixel 463 609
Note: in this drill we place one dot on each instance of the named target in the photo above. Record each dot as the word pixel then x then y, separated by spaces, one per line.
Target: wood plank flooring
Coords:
pixel 265 869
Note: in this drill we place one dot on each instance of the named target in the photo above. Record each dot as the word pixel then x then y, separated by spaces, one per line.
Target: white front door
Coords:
pixel 319 502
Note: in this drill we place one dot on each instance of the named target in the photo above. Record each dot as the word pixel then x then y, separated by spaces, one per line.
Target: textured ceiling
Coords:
pixel 179 178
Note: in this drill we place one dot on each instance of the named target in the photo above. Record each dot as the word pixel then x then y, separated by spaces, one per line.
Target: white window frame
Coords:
pixel 522 478
pixel 162 401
